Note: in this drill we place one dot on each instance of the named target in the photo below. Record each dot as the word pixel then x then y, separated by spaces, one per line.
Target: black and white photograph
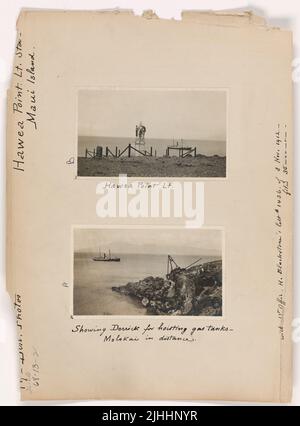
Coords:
pixel 152 133
pixel 149 271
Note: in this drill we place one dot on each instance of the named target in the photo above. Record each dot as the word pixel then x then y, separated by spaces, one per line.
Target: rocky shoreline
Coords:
pixel 193 291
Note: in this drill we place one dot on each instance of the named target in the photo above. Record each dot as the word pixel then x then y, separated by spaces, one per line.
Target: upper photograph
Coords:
pixel 152 133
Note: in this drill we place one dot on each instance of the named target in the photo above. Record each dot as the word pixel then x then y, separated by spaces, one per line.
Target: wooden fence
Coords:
pixel 129 150
pixel 100 152
pixel 182 151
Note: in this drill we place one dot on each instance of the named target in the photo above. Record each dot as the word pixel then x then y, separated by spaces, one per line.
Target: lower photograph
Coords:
pixel 149 271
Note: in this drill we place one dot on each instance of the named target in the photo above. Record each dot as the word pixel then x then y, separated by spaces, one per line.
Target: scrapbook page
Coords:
pixel 149 208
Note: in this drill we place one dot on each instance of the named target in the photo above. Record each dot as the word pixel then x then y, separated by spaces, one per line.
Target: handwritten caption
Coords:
pixel 29 371
pixel 24 103
pixel 282 194
pixel 162 332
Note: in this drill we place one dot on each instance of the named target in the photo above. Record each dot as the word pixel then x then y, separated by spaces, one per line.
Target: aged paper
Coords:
pixel 150 206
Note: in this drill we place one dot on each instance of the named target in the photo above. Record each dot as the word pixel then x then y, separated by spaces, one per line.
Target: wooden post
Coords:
pixel 99 152
pixel 155 153
pixel 106 152
pixel 151 151
pixel 129 150
pixel 86 152
pixel 116 151
pixel 195 152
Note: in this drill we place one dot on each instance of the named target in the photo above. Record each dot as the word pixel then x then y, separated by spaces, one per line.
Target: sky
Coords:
pixel 149 241
pixel 186 114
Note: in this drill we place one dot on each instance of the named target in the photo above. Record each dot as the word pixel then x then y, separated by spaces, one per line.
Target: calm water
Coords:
pixel 93 281
pixel 160 145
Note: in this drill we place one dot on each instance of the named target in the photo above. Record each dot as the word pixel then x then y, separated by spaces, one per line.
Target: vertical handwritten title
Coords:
pixel 282 194
pixel 24 104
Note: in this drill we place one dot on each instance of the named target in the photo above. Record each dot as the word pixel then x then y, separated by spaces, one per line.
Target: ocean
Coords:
pixel 160 145
pixel 93 281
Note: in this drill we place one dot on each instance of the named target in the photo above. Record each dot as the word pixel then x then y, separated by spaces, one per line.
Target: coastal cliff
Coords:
pixel 193 291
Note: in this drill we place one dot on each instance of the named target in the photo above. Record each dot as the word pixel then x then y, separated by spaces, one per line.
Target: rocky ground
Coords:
pixel 200 166
pixel 196 291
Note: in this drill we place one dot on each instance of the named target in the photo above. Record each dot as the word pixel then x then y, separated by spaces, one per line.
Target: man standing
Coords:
pixel 140 131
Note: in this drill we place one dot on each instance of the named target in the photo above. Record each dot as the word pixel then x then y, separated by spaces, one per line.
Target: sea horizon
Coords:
pixel 204 147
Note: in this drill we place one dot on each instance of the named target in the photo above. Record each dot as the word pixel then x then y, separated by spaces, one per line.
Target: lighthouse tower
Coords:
pixel 140 131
